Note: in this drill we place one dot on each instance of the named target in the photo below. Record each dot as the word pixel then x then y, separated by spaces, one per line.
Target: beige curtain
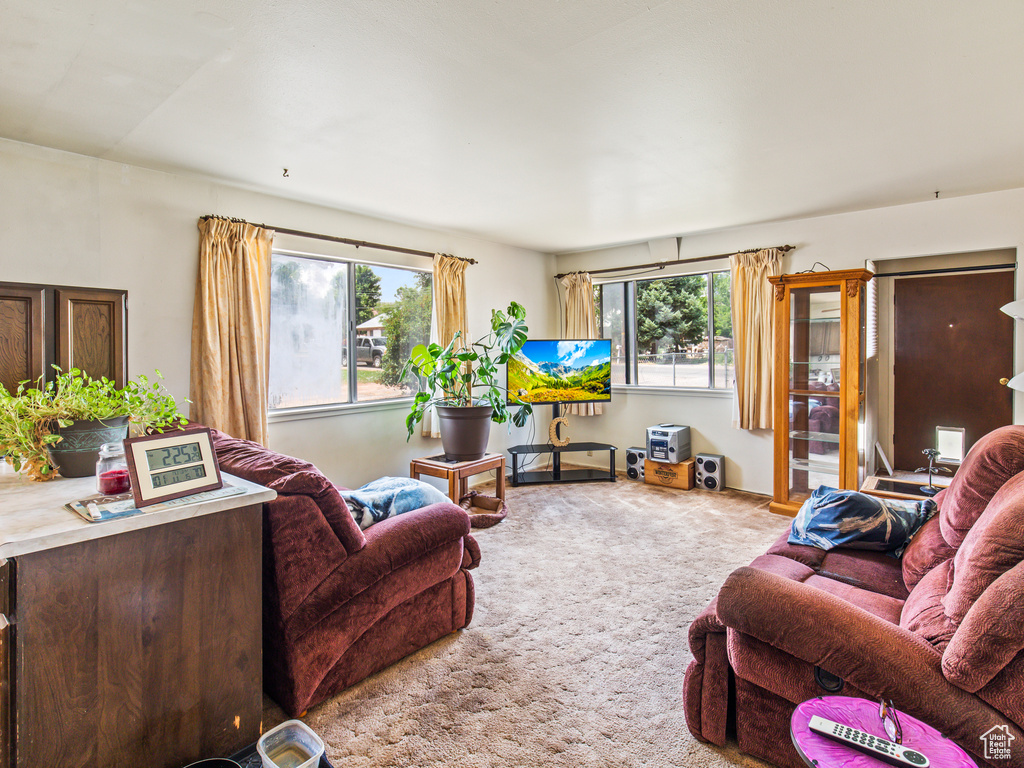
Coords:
pixel 580 323
pixel 231 328
pixel 753 335
pixel 449 315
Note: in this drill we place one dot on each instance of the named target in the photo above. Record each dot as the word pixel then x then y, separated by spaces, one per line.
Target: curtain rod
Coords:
pixel 663 264
pixel 334 239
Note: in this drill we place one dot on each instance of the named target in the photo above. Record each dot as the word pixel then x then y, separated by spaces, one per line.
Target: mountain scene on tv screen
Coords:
pixel 561 379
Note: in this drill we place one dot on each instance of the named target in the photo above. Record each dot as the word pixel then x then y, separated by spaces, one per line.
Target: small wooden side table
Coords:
pixel 902 485
pixel 457 472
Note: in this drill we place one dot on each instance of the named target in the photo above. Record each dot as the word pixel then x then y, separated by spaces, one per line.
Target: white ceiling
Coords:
pixel 553 124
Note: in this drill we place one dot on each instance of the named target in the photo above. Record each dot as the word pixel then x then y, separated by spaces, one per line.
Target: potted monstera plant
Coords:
pixel 461 382
pixel 58 427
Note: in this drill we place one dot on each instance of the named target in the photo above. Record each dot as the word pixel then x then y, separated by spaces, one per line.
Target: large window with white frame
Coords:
pixel 669 331
pixel 340 331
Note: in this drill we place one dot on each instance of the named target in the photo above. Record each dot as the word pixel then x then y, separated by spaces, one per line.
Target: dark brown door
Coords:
pixel 952 347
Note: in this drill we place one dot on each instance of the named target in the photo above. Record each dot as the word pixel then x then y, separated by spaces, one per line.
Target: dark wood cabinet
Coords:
pixel 141 648
pixel 6 678
pixel 91 328
pixel 43 325
pixel 140 645
pixel 22 333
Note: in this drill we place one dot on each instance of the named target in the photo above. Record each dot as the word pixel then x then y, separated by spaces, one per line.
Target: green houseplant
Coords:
pixel 35 420
pixel 462 383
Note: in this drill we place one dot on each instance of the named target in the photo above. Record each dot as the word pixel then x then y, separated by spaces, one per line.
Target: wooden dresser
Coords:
pixel 131 642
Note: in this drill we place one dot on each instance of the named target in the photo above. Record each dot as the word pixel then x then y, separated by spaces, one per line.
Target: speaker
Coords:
pixel 711 471
pixel 635 463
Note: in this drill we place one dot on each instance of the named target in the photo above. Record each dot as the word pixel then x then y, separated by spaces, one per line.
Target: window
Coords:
pixel 670 331
pixel 322 308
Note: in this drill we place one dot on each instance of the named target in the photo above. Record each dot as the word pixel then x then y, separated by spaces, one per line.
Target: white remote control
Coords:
pixel 882 749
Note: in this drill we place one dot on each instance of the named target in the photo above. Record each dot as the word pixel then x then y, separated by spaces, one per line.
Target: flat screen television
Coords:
pixel 561 371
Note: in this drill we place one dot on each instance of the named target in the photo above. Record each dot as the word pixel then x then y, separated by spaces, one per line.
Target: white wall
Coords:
pixel 845 241
pixel 67 219
pixel 73 220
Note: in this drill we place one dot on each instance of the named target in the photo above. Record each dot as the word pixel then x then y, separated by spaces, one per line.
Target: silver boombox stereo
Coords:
pixel 668 443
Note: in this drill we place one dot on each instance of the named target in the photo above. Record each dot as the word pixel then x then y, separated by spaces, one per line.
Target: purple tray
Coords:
pixel 816 750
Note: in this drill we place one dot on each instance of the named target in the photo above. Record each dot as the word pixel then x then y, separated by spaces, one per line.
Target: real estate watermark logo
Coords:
pixel 997 742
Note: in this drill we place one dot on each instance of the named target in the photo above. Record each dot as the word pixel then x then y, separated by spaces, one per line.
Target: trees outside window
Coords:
pixel 406 324
pixel 367 292
pixel 672 314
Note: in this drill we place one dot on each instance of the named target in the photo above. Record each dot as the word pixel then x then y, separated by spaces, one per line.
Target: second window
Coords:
pixel 670 331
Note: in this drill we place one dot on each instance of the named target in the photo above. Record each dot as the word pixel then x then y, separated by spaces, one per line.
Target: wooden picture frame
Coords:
pixel 171 465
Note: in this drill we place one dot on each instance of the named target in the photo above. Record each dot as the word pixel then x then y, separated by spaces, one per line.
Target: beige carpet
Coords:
pixel 577 649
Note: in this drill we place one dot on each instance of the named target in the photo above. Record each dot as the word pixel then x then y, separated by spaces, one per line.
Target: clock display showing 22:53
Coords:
pixel 174 456
pixel 171 465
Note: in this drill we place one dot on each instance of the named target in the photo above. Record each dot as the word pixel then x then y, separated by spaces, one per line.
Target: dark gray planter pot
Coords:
pixel 76 454
pixel 464 431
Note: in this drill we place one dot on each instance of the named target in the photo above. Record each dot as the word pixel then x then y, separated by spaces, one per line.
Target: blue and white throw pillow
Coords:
pixel 832 518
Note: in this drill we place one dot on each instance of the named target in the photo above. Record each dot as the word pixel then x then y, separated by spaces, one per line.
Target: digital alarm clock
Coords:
pixel 169 466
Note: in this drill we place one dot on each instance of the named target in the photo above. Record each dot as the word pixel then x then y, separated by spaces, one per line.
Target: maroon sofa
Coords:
pixel 825 419
pixel 340 604
pixel 940 632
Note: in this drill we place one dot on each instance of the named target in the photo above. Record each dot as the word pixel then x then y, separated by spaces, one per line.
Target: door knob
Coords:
pixel 1004 381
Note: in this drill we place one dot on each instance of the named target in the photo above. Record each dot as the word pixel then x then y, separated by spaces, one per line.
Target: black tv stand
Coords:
pixel 556 474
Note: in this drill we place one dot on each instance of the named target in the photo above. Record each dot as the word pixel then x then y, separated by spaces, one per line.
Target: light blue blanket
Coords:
pixel 389 496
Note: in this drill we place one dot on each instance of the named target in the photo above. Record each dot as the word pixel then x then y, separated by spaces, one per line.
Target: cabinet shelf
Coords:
pixel 819 467
pixel 821 437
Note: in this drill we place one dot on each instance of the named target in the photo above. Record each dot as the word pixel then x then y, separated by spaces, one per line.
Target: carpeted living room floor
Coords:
pixel 578 645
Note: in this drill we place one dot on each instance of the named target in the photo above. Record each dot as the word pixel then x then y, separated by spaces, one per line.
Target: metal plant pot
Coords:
pixel 76 454
pixel 464 431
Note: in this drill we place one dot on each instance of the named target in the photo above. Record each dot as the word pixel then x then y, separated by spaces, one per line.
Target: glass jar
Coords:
pixel 112 470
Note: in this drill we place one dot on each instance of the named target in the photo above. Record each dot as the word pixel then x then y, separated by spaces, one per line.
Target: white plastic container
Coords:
pixel 292 744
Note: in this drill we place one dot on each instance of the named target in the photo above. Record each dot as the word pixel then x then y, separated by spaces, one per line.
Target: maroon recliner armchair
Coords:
pixel 940 632
pixel 340 604
pixel 823 419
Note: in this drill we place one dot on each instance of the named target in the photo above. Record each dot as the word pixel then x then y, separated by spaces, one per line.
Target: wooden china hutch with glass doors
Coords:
pixel 818 383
